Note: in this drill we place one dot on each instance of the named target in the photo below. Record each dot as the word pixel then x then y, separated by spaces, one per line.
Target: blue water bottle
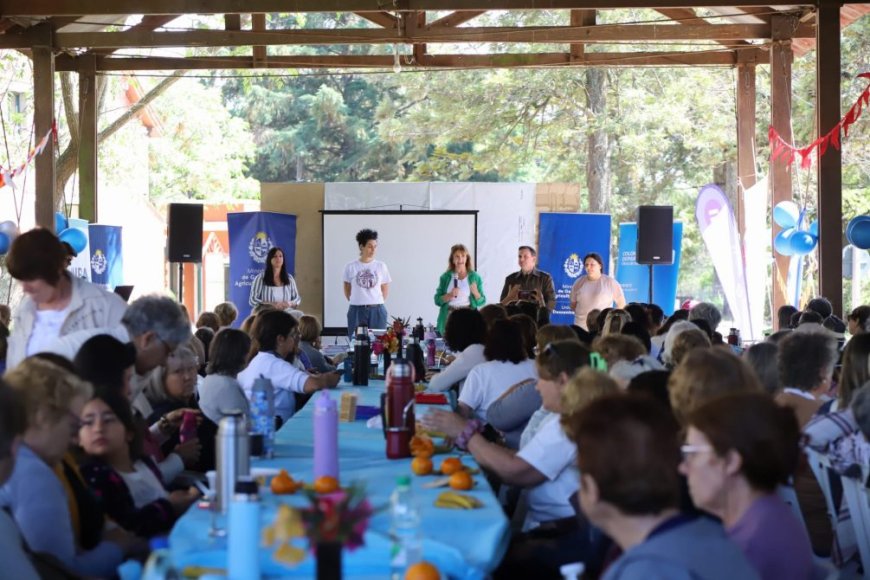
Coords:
pixel 263 412
pixel 243 545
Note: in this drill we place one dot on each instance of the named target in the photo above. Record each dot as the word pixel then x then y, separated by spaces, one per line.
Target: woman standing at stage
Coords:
pixel 594 290
pixel 459 287
pixel 366 285
pixel 274 285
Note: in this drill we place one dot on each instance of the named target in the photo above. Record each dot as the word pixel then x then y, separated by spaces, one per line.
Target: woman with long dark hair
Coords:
pixel 274 285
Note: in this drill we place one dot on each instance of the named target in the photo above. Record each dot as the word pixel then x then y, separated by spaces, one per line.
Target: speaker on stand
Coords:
pixel 655 238
pixel 185 237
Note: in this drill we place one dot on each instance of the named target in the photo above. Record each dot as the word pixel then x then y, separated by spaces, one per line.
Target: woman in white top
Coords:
pixel 594 290
pixel 464 334
pixel 366 285
pixel 55 304
pixel 507 365
pixel 276 336
pixel 274 285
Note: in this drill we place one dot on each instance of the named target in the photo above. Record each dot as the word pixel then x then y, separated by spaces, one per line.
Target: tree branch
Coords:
pixel 146 99
pixel 69 108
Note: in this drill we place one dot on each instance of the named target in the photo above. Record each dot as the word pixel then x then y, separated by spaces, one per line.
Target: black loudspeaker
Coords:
pixel 655 234
pixel 185 232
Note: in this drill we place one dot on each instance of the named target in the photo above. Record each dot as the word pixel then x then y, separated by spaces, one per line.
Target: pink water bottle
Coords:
pixel 325 436
pixel 188 427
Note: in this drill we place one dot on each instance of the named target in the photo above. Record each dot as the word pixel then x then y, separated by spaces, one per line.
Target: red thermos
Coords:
pixel 397 409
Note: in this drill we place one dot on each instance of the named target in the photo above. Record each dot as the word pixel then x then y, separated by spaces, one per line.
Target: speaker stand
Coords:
pixel 650 301
pixel 181 282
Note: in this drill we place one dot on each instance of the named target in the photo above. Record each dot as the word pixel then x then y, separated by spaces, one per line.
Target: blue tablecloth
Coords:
pixel 462 543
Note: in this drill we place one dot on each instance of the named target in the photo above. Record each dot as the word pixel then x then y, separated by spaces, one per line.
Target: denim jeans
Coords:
pixel 374 316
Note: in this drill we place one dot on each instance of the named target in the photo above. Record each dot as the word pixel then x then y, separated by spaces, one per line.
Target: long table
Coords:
pixel 462 543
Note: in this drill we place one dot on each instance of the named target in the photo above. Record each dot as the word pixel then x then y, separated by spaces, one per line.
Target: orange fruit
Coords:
pixel 422 446
pixel 421 466
pixel 422 571
pixel 461 480
pixel 451 465
pixel 283 484
pixel 326 484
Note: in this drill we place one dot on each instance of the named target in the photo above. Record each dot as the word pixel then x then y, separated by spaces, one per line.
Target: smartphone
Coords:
pixel 527 295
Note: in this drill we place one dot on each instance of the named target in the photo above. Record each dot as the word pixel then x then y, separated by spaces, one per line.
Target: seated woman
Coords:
pixel 275 336
pixel 172 388
pixel 53 399
pixel 309 344
pixel 629 452
pixel 739 449
pixel 507 365
pixel 127 481
pixel 513 410
pixel 464 334
pixel 220 391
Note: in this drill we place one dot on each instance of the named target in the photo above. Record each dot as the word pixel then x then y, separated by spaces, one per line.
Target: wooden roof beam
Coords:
pixel 581 18
pixel 10 8
pixel 383 19
pixel 455 19
pixel 419 35
pixel 523 60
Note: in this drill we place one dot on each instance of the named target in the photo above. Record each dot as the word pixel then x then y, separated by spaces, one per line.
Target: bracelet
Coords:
pixel 163 425
pixel 471 428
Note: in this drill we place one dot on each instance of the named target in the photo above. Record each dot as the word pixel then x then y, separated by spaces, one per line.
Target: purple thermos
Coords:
pixel 325 436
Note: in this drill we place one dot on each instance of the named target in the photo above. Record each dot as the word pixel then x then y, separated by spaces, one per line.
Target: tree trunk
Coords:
pixel 599 148
pixel 67 162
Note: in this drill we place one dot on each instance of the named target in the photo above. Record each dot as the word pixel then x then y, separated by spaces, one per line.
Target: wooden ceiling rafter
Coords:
pixel 454 19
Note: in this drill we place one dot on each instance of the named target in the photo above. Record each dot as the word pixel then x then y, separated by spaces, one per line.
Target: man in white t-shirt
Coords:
pixel 366 285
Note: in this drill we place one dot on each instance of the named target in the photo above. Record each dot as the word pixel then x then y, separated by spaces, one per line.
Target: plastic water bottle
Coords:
pixel 263 412
pixel 243 554
pixel 430 346
pixel 159 563
pixel 407 542
pixel 325 436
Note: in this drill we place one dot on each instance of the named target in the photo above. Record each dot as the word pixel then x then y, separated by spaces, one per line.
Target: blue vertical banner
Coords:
pixel 81 264
pixel 634 277
pixel 564 238
pixel 107 263
pixel 252 235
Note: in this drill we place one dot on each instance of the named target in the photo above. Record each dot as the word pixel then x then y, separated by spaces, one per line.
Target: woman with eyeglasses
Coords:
pixel 739 449
pixel 276 334
pixel 53 399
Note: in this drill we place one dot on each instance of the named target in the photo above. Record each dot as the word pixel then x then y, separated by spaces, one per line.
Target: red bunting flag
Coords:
pixel 6 175
pixel 780 149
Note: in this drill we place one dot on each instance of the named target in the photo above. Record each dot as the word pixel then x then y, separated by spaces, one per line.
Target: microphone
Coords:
pixel 455 281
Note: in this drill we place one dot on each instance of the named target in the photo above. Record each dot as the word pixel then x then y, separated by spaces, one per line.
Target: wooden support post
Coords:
pixel 830 169
pixel 258 23
pixel 414 22
pixel 43 96
pixel 746 120
pixel 88 138
pixel 581 18
pixel 781 57
pixel 232 21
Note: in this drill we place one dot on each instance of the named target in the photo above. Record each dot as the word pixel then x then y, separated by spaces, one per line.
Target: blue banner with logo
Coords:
pixel 107 264
pixel 564 238
pixel 252 235
pixel 634 277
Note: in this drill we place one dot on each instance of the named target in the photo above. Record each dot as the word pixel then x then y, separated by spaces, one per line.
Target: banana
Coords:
pixel 453 500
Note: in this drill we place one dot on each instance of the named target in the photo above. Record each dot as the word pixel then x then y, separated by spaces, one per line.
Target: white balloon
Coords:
pixel 9 228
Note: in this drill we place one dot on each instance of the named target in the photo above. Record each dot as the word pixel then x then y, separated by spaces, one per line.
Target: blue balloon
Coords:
pixel 5 242
pixel 60 222
pixel 786 214
pixel 802 243
pixel 782 242
pixel 75 238
pixel 858 232
pixel 814 229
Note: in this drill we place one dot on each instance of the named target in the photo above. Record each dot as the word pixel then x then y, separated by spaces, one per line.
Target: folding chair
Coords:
pixel 857 497
pixel 821 464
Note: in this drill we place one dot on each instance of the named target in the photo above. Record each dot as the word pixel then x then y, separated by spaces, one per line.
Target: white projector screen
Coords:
pixel 415 246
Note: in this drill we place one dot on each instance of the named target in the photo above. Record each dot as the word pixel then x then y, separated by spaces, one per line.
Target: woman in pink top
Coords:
pixel 594 290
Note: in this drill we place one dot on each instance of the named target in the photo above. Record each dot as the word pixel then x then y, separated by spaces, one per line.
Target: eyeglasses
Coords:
pixel 688 450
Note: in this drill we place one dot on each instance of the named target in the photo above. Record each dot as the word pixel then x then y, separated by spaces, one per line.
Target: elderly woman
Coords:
pixel 739 449
pixel 594 290
pixel 53 400
pixel 459 287
pixel 274 285
pixel 55 303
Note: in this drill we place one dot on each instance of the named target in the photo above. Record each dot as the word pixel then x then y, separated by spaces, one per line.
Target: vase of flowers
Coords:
pixel 333 522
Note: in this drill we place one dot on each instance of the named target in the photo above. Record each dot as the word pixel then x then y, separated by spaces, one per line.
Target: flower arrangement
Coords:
pixel 341 517
pixel 389 341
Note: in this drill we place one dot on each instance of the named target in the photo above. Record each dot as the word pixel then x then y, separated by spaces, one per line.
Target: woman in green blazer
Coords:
pixel 459 287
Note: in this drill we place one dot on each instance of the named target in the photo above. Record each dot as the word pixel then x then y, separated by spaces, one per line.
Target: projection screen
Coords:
pixel 415 245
